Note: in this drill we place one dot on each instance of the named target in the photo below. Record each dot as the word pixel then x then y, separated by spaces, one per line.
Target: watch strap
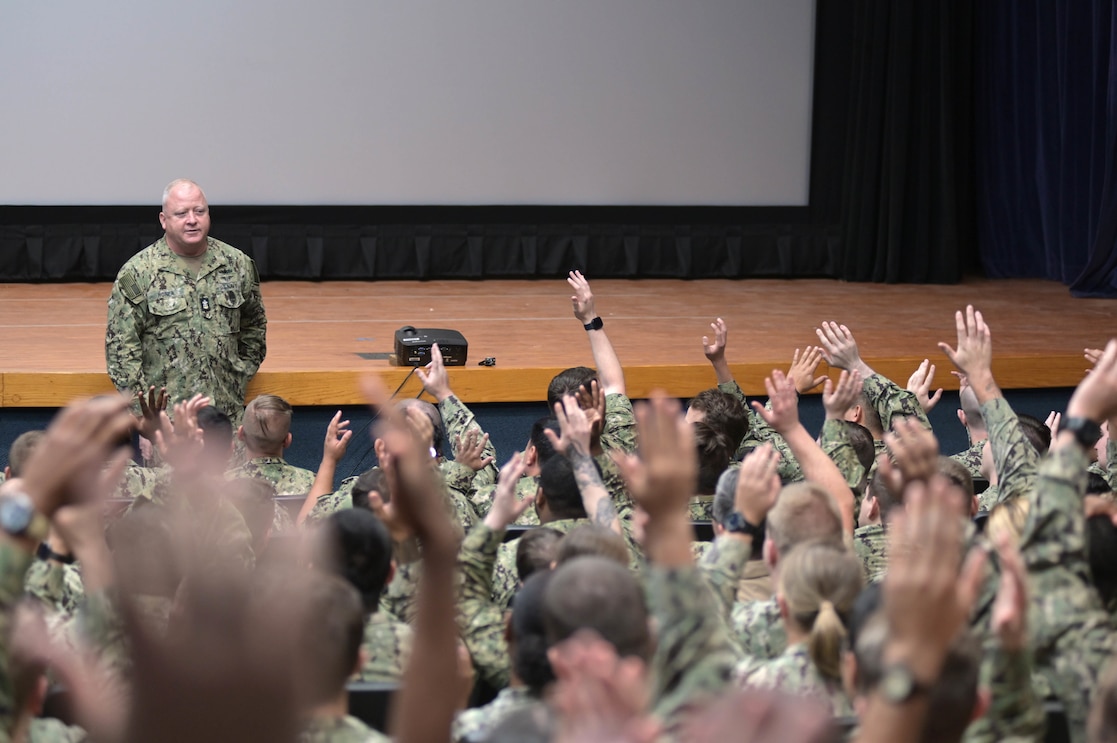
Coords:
pixel 1086 432
pixel 46 553
pixel 595 324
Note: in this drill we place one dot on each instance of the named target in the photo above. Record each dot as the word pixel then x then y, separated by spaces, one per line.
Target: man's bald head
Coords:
pixel 803 512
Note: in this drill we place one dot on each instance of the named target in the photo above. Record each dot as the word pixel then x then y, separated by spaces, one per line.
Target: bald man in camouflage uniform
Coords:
pixel 185 313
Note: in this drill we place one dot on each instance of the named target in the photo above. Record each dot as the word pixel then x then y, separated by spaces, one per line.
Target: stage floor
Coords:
pixel 52 335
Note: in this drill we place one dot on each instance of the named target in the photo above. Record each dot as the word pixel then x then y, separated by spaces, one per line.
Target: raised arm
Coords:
pixel 465 433
pixel 574 444
pixel 604 357
pixel 333 450
pixel 783 416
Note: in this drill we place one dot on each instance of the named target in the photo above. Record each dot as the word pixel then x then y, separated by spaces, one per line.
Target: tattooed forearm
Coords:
pixel 606 513
pixel 599 506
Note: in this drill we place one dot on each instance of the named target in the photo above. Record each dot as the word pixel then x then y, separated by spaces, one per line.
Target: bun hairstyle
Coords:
pixel 819 582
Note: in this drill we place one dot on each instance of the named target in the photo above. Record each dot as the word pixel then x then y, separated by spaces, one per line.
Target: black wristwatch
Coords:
pixel 898 684
pixel 736 524
pixel 1085 431
pixel 594 324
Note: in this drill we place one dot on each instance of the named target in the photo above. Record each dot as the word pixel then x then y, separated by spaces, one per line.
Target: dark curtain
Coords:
pixel 1047 141
pixel 907 212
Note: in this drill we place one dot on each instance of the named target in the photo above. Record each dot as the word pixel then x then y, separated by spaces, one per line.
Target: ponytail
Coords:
pixel 825 642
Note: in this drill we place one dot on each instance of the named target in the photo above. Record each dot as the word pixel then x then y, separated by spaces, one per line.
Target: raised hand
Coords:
pixel 803 368
pixel 1052 423
pixel 919 384
pixel 758 484
pixel 582 299
pixel 471 450
pixel 840 348
pixel 1096 395
pixel 181 443
pixel 506 507
pixel 574 426
pixel 591 399
pixel 838 398
pixel 715 348
pixel 974 353
pixel 1093 355
pixel 151 407
pixel 783 415
pixel 663 478
pixel 337 439
pixel 915 454
pixel 435 379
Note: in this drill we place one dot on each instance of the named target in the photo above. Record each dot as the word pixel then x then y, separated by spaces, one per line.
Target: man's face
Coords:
pixel 185 219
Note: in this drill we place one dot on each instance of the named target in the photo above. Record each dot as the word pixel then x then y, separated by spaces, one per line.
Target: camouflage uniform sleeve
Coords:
pixel 123 350
pixel 760 432
pixel 480 621
pixel 620 424
pixel 58 587
pixel 694 658
pixel 252 342
pixel 459 421
pixel 835 441
pixel 722 565
pixel 892 401
pixel 1015 458
pixel 13 566
pixel 1015 713
pixel 505 576
pixel 970 458
pixel 458 476
pixel 399 597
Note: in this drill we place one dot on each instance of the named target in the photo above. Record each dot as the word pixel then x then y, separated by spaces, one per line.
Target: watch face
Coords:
pixel 735 522
pixel 15 515
pixel 897 685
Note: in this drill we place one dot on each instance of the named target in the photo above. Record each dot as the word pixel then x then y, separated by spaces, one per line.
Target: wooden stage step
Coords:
pixel 52 335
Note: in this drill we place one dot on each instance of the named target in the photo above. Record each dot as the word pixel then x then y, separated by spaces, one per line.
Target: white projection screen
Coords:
pixel 432 102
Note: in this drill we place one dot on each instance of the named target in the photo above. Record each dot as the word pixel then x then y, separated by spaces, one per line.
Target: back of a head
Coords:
pixel 543 448
pixel 861 439
pixel 714 453
pixel 267 421
pixel 967 400
pixel 819 581
pixel 592 539
pixel 217 430
pixel 803 512
pixel 370 481
pixel 1036 432
pixel 532 724
pixel 724 413
pixel 536 550
pixel 254 498
pixel 567 382
pixel 1008 518
pixel 331 628
pixel 598 594
pixel 560 489
pixel 20 451
pixel 886 499
pixel 869 416
pixel 957 474
pixel 529 634
pixel 724 503
pixel 954 695
pixel 438 434
pixel 358 548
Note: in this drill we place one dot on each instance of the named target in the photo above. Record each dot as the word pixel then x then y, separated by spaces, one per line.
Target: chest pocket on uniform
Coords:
pixel 164 305
pixel 229 299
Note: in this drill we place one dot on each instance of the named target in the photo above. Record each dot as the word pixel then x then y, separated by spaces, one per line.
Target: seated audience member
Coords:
pixel 530 672
pixel 592 539
pixel 755 582
pixel 818 584
pixel 714 452
pixel 848 444
pixel 355 545
pixel 20 451
pixel 331 620
pixel 254 498
pixel 969 415
pixel 537 551
pixel 721 411
pixel 266 434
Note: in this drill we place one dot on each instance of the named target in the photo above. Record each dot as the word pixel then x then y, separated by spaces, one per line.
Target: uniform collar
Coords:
pixel 211 261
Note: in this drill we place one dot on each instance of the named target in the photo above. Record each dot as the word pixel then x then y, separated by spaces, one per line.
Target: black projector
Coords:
pixel 413 346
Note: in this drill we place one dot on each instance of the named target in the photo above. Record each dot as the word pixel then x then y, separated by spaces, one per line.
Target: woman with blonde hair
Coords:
pixel 818 583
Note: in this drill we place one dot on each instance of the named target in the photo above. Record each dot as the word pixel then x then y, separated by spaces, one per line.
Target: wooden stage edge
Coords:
pixel 54 333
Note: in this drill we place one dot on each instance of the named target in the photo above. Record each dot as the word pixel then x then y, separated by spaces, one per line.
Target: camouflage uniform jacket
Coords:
pixel 58 588
pixel 723 565
pixel 526 486
pixel 346 729
pixel 701 508
pixel 1015 713
pixel 793 672
pixel 834 440
pixel 870 544
pixel 400 595
pixel 459 421
pixel 694 657
pixel 480 620
pixel 505 578
pixel 190 334
pixel 286 478
pixel 142 482
pixel 758 629
pixel 1014 456
pixel 892 401
pixel 970 458
pixel 474 725
pixel 759 433
pixel 387 644
pixel 1071 632
pixel 619 431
